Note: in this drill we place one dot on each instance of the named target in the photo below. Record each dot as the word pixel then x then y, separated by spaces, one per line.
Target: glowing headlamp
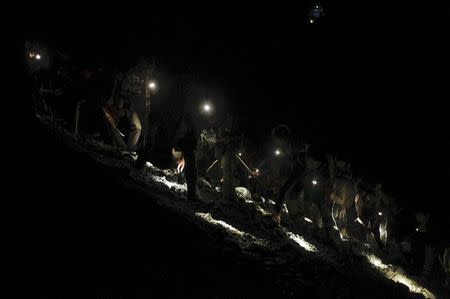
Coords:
pixel 152 85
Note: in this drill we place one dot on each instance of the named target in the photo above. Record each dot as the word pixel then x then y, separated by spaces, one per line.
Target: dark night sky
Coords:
pixel 370 81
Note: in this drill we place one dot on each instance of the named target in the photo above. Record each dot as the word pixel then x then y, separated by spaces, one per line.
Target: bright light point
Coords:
pixel 277 152
pixel 335 227
pixel 240 154
pixel 257 170
pixel 207 107
pixel 314 182
pixel 308 220
pixel 311 21
pixel 359 221
pixel 379 213
pixel 152 85
pixel 417 229
pixel 317 6
pixel 38 57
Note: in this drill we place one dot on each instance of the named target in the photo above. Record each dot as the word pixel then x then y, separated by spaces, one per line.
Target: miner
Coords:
pixel 185 145
pixel 137 89
pixel 315 173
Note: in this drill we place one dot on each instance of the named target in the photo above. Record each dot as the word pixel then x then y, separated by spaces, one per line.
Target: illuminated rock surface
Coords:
pixel 134 233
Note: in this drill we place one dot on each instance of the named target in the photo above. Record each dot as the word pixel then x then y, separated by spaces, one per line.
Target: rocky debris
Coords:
pixel 245 230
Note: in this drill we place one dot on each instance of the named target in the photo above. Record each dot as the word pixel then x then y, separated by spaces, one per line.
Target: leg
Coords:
pixel 191 174
pixel 227 170
pixel 135 131
pixel 295 177
pixel 325 213
pixel 429 260
pixel 447 266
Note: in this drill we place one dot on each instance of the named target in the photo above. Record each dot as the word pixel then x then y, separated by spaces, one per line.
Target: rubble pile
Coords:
pixel 244 230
